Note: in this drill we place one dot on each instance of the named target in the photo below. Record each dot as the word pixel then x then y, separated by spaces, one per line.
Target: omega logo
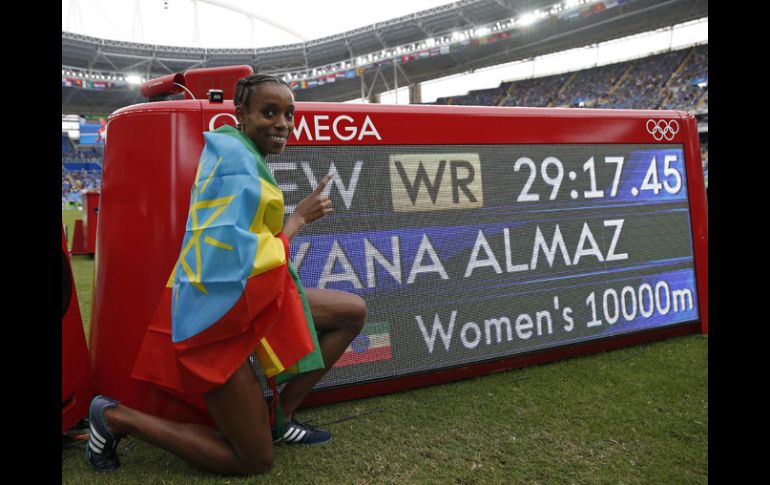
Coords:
pixel 320 128
pixel 212 123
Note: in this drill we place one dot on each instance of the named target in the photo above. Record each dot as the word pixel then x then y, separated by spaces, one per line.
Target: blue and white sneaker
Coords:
pixel 303 434
pixel 101 449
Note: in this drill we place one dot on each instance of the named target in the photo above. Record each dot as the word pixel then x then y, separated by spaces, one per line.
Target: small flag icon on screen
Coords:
pixel 372 344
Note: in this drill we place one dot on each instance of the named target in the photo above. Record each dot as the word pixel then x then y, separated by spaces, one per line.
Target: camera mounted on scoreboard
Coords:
pixel 215 84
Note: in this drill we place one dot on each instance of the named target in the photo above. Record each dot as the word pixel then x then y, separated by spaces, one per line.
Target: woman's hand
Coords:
pixel 312 207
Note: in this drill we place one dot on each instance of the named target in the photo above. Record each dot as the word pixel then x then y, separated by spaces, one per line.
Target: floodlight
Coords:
pixel 527 19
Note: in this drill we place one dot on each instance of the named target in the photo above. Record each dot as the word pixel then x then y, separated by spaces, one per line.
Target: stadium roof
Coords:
pixel 227 23
pixel 586 24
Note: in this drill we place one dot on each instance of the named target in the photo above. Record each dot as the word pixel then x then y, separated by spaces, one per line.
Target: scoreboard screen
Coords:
pixel 466 253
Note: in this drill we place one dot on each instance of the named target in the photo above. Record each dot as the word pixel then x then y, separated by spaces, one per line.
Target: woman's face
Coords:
pixel 269 117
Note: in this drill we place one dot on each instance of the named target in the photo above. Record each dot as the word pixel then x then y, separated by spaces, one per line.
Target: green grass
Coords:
pixel 635 415
pixel 83 274
pixel 82 269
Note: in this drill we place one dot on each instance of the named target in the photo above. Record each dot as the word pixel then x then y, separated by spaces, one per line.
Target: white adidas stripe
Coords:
pixel 96 444
pixel 294 434
pixel 291 434
pixel 96 435
pixel 96 450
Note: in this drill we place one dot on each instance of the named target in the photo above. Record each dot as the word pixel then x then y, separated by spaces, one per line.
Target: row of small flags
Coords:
pixel 424 54
pixel 86 83
pixel 593 9
pixel 490 39
pixel 442 50
pixel 331 78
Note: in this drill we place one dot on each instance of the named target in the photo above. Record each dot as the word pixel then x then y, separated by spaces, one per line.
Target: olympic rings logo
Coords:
pixel 663 129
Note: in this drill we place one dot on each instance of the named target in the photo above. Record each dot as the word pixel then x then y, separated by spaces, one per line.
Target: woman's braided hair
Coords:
pixel 245 86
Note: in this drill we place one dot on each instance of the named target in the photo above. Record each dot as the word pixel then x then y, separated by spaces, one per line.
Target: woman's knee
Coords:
pixel 336 310
pixel 356 313
pixel 350 313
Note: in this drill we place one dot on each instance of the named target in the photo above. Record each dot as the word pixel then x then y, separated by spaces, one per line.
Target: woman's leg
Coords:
pixel 339 317
pixel 242 443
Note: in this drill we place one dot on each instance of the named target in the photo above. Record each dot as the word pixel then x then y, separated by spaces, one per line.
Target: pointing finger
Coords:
pixel 322 184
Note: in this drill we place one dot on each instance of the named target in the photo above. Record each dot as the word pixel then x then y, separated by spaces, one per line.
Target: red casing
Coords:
pixel 76 376
pixel 78 239
pixel 91 213
pixel 168 84
pixel 199 81
pixel 149 166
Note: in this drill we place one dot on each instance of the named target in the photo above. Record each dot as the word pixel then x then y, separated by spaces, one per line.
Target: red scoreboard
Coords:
pixel 481 238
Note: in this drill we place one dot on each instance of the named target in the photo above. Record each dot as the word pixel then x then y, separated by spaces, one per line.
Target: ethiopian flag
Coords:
pixel 372 344
pixel 233 289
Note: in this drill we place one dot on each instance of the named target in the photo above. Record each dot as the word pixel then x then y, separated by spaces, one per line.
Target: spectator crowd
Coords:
pixel 81 170
pixel 673 80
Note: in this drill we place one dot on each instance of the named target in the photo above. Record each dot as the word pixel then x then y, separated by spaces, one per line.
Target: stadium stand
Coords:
pixel 586 87
pixel 642 85
pixel 539 92
pixel 484 97
pixel 663 81
pixel 81 170
pixel 67 147
pixel 683 91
